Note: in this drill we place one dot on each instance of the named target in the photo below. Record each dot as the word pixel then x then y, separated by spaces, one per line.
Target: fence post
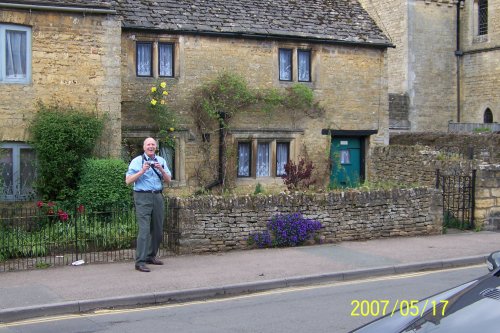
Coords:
pixel 437 178
pixel 473 199
pixel 75 219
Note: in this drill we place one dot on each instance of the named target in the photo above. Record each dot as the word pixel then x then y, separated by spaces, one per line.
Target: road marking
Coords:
pixel 105 312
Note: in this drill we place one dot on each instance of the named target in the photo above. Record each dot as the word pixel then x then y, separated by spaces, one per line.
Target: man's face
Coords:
pixel 149 147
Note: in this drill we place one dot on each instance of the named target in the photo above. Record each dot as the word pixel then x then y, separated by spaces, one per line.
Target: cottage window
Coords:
pixel 166 59
pixel 262 156
pixel 285 64
pixel 168 153
pixel 17 170
pixel 144 59
pixel 282 157
pixel 304 65
pixel 15 54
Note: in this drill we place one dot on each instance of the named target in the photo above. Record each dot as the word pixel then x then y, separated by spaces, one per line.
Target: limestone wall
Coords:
pixel 75 62
pixel 210 224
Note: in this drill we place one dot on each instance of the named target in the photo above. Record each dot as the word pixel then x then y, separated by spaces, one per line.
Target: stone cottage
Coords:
pixel 105 55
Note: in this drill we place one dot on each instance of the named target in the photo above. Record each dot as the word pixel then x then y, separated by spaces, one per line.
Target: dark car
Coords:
pixel 471 307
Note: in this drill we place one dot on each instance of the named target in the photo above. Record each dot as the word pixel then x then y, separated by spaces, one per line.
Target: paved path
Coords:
pixel 73 289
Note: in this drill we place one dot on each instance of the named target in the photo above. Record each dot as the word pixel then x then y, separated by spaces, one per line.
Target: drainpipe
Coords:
pixel 458 53
pixel 220 172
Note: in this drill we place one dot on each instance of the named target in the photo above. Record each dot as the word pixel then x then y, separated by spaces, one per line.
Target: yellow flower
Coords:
pixel 153 89
pixel 154 101
pixel 165 92
pixel 163 85
pixel 162 102
pixel 171 129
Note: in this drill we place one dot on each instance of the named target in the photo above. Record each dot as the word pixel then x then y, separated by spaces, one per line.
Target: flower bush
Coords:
pixel 164 116
pixel 286 230
pixel 50 211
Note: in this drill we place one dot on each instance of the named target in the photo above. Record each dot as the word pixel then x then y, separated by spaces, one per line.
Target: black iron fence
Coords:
pixel 47 235
pixel 458 188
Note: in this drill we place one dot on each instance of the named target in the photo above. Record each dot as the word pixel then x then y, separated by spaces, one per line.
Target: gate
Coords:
pixel 458 189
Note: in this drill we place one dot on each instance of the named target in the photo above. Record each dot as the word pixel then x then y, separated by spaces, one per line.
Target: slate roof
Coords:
pixel 335 21
pixel 326 20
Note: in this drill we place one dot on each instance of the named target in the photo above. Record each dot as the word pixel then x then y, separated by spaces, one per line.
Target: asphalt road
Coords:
pixel 316 308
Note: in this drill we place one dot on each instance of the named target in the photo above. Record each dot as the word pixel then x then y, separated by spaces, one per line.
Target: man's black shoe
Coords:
pixel 154 261
pixel 142 268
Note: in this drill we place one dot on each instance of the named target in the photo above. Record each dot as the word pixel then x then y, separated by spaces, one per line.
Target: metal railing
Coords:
pixel 46 236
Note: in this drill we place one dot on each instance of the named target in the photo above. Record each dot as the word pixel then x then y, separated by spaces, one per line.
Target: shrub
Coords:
pixel 286 230
pixel 102 184
pixel 62 138
pixel 298 175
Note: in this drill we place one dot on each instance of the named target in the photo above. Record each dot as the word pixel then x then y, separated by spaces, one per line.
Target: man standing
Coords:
pixel 148 172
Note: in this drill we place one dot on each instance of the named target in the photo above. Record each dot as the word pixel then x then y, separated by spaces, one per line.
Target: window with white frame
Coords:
pixel 154 61
pixel 15 54
pixel 286 64
pixel 262 158
pixel 17 171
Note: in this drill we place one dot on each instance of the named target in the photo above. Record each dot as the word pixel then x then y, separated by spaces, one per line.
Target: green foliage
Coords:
pixel 165 118
pixel 258 189
pixel 482 130
pixel 63 138
pixel 102 184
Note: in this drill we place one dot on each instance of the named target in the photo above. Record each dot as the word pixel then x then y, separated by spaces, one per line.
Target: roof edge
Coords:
pixel 72 9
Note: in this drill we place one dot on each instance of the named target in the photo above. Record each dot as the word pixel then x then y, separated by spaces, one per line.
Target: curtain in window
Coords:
pixel 143 59
pixel 168 154
pixel 16 54
pixel 285 64
pixel 262 159
pixel 304 65
pixel 244 159
pixel 27 171
pixel 7 171
pixel 165 59
pixel 281 158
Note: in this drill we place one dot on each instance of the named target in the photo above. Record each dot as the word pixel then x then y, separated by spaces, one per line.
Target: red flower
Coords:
pixel 50 212
pixel 50 204
pixel 39 204
pixel 81 208
pixel 63 216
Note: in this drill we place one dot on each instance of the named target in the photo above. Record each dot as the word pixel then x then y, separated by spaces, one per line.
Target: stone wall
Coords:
pixel 488 196
pixel 210 224
pixel 75 62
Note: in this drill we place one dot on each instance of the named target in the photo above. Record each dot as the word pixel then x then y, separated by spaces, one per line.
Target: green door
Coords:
pixel 346 162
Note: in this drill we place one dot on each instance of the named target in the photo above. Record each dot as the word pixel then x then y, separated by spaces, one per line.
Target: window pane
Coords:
pixel 262 159
pixel 165 59
pixel 15 54
pixel 243 159
pixel 168 153
pixel 345 157
pixel 144 53
pixel 282 156
pixel 27 171
pixel 285 63
pixel 304 65
pixel 7 171
pixel 483 17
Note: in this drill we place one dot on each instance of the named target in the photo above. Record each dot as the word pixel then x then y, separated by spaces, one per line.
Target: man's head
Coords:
pixel 150 147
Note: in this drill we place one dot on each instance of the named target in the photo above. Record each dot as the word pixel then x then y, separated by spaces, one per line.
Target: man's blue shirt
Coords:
pixel 149 181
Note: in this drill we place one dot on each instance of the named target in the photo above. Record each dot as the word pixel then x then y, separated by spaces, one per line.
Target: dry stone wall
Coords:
pixel 210 224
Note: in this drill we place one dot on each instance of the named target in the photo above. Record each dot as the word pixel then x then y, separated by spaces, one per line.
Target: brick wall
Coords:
pixel 210 224
pixel 75 62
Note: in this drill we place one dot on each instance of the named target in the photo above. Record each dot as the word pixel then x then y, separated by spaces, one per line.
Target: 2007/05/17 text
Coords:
pixel 376 308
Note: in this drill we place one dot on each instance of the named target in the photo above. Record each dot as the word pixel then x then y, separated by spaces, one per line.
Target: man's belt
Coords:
pixel 148 191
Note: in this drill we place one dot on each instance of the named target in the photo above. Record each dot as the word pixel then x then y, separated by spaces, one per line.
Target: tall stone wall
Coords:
pixel 487 209
pixel 210 224
pixel 75 62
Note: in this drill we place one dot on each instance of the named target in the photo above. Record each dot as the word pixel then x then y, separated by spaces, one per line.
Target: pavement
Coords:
pixel 89 287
